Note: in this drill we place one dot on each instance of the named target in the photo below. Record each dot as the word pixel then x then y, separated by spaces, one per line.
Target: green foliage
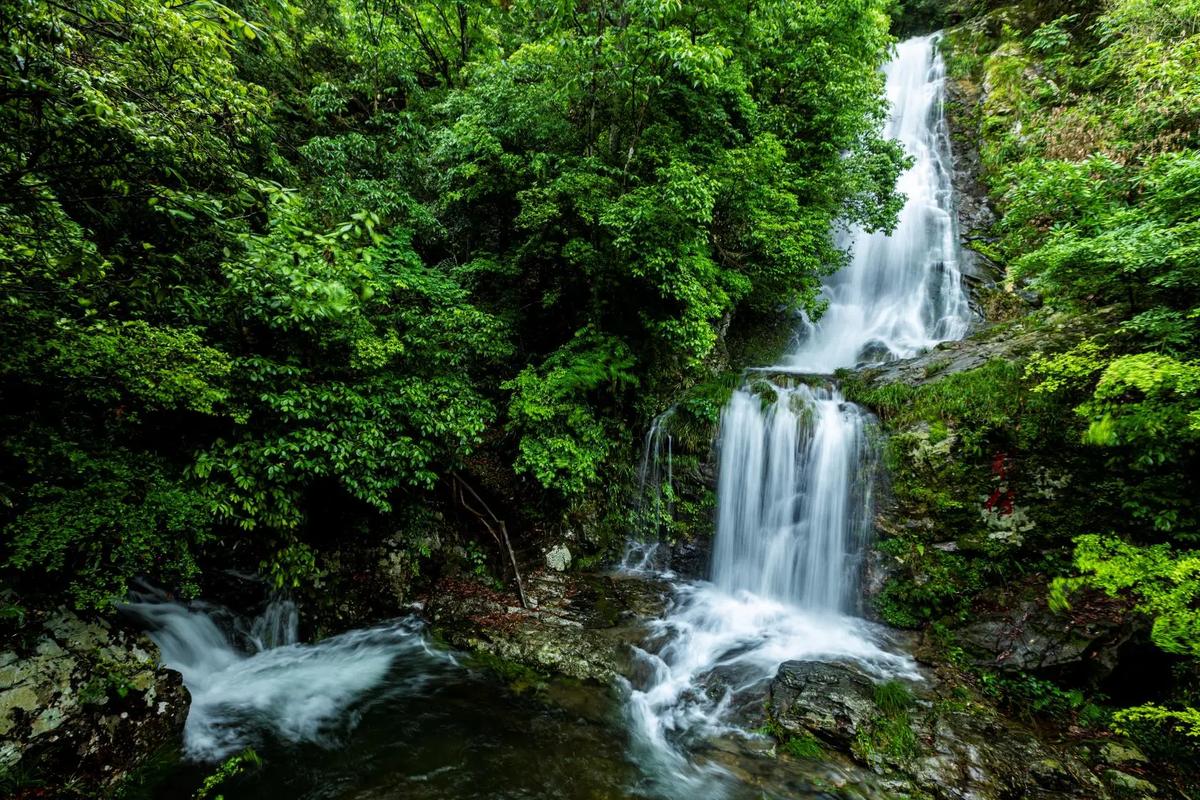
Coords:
pixel 1186 721
pixel 229 768
pixel 1165 584
pixel 890 734
pixel 893 697
pixel 114 516
pixel 1030 697
pixel 563 442
pixel 274 270
pixel 982 405
pixel 1090 149
pixel 934 585
pixel 292 567
pixel 805 746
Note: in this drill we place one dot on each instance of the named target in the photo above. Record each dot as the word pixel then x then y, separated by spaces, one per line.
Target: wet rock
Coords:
pixel 1040 332
pixel 938 746
pixel 830 700
pixel 365 582
pixel 1032 298
pixel 579 626
pixel 873 352
pixel 1121 753
pixel 1123 784
pixel 690 557
pixel 85 703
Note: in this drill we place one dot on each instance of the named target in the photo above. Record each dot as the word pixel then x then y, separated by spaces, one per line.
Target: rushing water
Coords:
pixel 901 293
pixel 655 499
pixel 375 713
pixel 794 500
pixel 796 475
pixel 793 514
pixel 248 685
pixel 379 713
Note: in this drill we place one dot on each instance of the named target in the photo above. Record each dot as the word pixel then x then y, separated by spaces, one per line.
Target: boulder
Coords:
pixel 831 700
pixel 558 558
pixel 85 703
pixel 579 626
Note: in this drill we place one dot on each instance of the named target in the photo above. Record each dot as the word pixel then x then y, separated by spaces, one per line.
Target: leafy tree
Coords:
pixel 274 268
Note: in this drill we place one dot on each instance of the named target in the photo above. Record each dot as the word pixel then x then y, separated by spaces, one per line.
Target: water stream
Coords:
pixel 793 516
pixel 797 471
pixel 902 293
pixel 380 713
pixel 373 713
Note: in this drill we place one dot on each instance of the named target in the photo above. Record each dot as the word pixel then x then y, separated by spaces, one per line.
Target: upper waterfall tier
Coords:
pixel 902 293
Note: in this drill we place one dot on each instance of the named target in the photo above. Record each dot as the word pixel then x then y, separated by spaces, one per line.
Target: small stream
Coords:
pixel 381 713
pixel 375 713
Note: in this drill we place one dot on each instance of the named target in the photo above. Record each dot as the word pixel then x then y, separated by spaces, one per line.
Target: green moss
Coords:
pixel 519 677
pixel 698 411
pixel 895 737
pixel 933 585
pixel 935 367
pixel 890 734
pixel 982 403
pixel 805 746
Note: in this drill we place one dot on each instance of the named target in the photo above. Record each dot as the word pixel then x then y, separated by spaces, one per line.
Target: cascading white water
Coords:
pixel 794 487
pixel 903 293
pixel 245 685
pixel 793 511
pixel 793 504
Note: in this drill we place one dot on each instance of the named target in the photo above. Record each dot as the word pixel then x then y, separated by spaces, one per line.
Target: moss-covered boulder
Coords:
pixel 83 704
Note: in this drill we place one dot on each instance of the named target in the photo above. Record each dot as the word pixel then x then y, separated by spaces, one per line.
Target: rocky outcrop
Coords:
pixel 930 742
pixel 1081 645
pixel 973 204
pixel 828 699
pixel 83 703
pixel 578 625
pixel 1043 331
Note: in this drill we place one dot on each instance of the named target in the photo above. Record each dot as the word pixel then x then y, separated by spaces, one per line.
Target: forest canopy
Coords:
pixel 267 265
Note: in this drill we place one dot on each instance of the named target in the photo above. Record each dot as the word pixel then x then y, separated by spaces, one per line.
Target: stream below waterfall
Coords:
pixel 382 713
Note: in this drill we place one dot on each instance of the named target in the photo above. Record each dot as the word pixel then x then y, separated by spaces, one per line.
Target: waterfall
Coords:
pixel 793 514
pixel 796 473
pixel 794 497
pixel 248 680
pixel 655 502
pixel 278 625
pixel 903 293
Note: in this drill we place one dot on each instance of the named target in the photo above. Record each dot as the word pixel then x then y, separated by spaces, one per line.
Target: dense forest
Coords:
pixel 288 278
pixel 278 271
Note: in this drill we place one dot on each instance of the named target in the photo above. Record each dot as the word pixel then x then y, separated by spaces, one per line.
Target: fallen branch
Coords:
pixel 501 537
